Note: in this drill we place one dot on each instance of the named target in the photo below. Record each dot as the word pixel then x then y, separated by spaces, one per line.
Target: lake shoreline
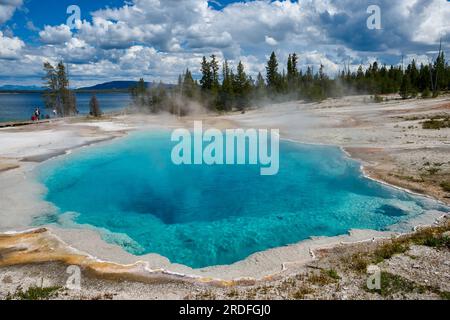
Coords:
pixel 19 107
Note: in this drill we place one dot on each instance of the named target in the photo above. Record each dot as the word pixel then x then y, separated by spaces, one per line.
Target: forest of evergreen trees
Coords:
pixel 225 89
pixel 222 88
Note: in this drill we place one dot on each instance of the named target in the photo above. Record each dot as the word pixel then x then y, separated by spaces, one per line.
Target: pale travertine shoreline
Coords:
pixel 373 133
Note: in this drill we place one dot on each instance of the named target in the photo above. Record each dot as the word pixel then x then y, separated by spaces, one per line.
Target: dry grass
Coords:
pixel 302 292
pixel 430 236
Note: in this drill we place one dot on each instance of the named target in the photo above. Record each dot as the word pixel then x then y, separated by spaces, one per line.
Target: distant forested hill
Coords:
pixel 20 88
pixel 119 85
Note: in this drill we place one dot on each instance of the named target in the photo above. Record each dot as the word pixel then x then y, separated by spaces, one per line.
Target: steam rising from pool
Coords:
pixel 203 215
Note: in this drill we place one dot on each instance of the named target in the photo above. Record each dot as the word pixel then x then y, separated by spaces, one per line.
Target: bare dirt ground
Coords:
pixel 388 137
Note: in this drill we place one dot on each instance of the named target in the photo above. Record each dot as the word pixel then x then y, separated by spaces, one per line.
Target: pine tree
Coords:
pixel 141 86
pixel 227 93
pixel 413 75
pixel 424 78
pixel 294 65
pixel 272 75
pixel 214 64
pixel 139 94
pixel 283 85
pixel 51 85
pixel 94 107
pixel 62 85
pixel 58 94
pixel 260 86
pixel 260 83
pixel 241 87
pixel 206 80
pixel 188 85
pixel 63 81
pixel 405 88
pixel 292 73
pixel 290 68
pixel 441 82
pixel 180 83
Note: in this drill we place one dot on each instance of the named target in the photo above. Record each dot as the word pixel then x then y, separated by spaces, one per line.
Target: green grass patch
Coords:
pixel 332 274
pixel 426 93
pixel 445 186
pixel 358 262
pixel 324 277
pixel 388 250
pixel 431 237
pixel 34 293
pixel 445 295
pixel 392 284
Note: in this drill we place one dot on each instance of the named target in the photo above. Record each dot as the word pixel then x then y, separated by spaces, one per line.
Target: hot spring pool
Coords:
pixel 203 216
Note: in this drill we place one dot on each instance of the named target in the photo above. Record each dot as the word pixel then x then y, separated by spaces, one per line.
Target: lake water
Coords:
pixel 213 215
pixel 19 107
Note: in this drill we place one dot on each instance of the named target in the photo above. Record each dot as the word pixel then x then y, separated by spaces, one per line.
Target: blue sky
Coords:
pixel 52 12
pixel 157 40
pixel 38 12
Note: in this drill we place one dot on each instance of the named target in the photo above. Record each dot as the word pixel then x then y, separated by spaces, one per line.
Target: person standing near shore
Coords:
pixel 37 113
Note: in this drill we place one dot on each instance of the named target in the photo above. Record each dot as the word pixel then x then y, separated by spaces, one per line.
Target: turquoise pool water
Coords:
pixel 212 215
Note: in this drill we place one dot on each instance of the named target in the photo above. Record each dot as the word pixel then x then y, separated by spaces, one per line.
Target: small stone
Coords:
pixel 416 266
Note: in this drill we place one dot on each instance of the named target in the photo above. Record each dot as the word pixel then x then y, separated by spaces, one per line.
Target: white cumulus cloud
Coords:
pixel 10 48
pixel 55 35
pixel 271 41
pixel 7 9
